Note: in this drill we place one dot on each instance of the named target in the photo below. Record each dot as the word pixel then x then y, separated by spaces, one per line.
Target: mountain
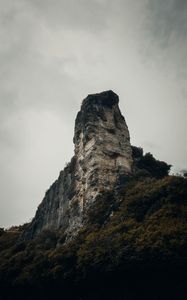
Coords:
pixel 103 156
pixel 112 226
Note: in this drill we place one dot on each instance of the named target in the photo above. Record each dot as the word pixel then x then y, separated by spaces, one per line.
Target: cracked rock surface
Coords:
pixel 102 158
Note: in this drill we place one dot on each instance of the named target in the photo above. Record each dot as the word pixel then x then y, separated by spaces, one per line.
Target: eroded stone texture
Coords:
pixel 103 157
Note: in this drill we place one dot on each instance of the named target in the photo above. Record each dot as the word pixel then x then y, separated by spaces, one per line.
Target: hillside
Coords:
pixel 112 226
pixel 133 246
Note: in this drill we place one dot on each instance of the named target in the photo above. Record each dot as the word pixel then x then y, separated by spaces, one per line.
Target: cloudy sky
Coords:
pixel 55 52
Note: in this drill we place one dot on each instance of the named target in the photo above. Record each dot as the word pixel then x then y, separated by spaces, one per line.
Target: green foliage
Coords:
pixel 156 168
pixel 2 231
pixel 137 152
pixel 98 214
pixel 140 227
pixel 148 164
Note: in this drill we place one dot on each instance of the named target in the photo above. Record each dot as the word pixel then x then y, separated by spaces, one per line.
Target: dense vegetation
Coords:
pixel 133 245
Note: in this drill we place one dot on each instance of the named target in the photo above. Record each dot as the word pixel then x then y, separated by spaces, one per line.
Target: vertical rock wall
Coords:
pixel 103 157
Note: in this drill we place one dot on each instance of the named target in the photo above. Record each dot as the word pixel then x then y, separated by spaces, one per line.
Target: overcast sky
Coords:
pixel 55 52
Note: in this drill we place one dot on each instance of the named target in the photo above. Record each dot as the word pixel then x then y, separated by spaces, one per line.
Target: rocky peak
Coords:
pixel 102 143
pixel 104 99
pixel 103 157
pixel 93 109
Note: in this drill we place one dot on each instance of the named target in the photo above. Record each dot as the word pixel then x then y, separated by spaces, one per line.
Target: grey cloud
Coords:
pixel 77 15
pixel 53 53
pixel 166 27
pixel 165 43
pixel 168 17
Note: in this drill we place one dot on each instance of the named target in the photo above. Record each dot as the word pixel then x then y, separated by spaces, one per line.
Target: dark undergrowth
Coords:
pixel 133 246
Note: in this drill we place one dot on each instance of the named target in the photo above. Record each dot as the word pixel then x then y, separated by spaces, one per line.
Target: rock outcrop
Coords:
pixel 102 159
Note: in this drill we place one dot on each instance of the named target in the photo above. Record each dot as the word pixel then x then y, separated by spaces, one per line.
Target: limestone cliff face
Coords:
pixel 103 157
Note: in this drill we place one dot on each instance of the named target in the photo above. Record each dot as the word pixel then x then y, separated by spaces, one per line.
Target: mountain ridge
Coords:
pixel 130 239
